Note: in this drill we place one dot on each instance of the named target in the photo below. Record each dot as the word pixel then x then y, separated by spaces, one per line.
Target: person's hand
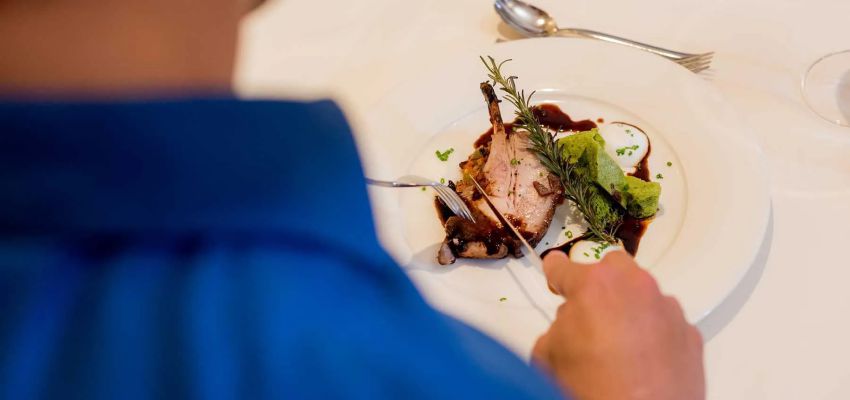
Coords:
pixel 617 337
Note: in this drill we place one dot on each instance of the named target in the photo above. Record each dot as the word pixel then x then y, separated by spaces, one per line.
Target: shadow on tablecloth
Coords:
pixel 712 324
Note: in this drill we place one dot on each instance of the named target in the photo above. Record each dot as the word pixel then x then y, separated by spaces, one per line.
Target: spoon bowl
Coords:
pixel 526 18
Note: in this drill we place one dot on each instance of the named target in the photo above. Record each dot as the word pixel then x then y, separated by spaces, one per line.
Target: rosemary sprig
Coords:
pixel 577 189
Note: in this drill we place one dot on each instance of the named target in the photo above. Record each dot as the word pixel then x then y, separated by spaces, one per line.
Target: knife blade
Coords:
pixel 530 252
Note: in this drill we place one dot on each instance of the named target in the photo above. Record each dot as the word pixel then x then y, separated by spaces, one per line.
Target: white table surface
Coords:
pixel 785 332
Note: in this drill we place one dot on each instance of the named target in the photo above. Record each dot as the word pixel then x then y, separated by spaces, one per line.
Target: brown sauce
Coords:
pixel 552 117
pixel 600 120
pixel 631 231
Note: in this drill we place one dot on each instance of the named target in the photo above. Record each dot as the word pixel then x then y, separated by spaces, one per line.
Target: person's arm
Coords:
pixel 618 336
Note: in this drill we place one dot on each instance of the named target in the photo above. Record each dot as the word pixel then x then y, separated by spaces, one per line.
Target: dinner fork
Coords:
pixel 696 63
pixel 533 21
pixel 449 197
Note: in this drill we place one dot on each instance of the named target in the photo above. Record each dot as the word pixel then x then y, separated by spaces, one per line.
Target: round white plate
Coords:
pixel 715 200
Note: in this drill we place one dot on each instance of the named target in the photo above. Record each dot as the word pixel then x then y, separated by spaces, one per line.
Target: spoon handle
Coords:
pixel 588 34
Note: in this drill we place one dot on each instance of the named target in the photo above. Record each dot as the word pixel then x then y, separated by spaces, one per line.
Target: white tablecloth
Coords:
pixel 785 333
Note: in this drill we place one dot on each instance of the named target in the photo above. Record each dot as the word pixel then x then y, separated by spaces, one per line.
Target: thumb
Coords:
pixel 564 276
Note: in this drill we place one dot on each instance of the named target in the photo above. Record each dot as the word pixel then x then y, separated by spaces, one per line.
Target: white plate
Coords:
pixel 715 199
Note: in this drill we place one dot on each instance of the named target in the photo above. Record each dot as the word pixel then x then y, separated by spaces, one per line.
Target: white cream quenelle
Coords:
pixel 590 252
pixel 625 143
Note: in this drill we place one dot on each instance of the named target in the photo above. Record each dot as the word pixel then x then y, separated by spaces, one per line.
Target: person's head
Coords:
pixel 118 48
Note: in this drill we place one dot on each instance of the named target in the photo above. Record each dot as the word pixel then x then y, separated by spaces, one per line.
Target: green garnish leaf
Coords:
pixel 444 156
pixel 503 299
pixel 569 234
pixel 424 188
pixel 669 164
pixel 514 162
pixel 597 251
pixel 622 150
pixel 659 176
pixel 443 181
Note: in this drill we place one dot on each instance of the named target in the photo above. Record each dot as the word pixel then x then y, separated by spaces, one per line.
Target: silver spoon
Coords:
pixel 532 21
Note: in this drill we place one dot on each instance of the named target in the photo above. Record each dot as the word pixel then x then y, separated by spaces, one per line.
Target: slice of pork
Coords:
pixel 521 188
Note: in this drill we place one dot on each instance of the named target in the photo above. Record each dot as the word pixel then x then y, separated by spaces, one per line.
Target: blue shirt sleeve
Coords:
pixel 161 250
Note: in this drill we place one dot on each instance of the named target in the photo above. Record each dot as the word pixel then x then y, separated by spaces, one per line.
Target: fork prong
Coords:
pixel 698 70
pixel 460 206
pixel 697 56
pixel 454 202
pixel 695 60
pixel 447 199
pixel 698 66
pixel 698 62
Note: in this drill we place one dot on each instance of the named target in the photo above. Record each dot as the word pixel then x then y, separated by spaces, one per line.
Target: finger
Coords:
pixel 696 339
pixel 540 353
pixel 620 259
pixel 674 307
pixel 675 315
pixel 564 276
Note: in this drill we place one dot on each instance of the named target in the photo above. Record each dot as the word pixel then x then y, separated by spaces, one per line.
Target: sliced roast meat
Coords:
pixel 520 187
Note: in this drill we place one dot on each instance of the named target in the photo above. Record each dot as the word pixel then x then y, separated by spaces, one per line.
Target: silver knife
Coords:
pixel 529 250
pixel 538 293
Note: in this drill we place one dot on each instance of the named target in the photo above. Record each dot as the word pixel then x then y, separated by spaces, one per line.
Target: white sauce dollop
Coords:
pixel 626 144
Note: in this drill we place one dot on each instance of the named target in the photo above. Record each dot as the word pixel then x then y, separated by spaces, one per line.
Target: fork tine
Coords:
pixel 460 206
pixel 454 202
pixel 697 56
pixel 454 205
pixel 698 70
pixel 690 63
pixel 448 200
pixel 694 61
pixel 697 65
pixel 698 62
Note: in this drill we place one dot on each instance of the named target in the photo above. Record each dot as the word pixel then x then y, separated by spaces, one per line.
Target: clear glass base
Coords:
pixel 826 87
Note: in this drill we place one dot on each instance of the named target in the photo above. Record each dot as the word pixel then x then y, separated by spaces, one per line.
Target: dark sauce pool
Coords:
pixel 551 116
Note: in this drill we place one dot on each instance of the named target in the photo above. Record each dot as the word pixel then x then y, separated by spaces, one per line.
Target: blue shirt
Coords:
pixel 212 249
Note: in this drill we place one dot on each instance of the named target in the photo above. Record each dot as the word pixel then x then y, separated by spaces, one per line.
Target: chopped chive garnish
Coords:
pixel 444 156
pixel 622 150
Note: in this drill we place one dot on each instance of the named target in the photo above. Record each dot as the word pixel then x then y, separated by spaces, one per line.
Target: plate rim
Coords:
pixel 759 218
